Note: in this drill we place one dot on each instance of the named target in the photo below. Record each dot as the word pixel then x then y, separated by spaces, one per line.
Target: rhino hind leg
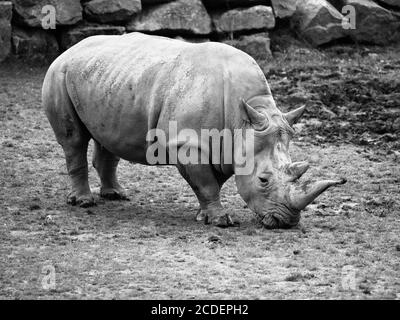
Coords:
pixel 71 134
pixel 106 164
pixel 207 189
pixel 78 172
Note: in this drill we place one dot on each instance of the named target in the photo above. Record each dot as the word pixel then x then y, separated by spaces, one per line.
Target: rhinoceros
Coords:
pixel 115 89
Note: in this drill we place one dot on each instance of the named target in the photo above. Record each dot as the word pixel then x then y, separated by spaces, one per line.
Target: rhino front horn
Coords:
pixel 301 198
pixel 293 116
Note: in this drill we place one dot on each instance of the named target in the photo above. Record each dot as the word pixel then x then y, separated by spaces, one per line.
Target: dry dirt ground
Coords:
pixel 347 246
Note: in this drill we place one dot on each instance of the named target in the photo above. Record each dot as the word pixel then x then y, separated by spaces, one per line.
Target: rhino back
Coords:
pixel 123 86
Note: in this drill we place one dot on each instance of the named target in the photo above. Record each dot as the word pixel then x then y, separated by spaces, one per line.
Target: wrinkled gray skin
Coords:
pixel 114 89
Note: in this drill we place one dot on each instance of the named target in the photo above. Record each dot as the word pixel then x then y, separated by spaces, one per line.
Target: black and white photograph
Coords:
pixel 193 150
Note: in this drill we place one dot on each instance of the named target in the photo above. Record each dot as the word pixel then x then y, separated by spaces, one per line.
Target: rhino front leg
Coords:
pixel 207 189
pixel 106 164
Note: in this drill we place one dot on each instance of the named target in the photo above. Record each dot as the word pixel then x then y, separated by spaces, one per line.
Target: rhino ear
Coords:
pixel 293 116
pixel 257 119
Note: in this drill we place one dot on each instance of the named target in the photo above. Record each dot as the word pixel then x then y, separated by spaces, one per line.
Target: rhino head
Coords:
pixel 272 189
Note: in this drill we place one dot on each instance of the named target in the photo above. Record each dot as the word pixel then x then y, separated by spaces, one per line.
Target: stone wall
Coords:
pixel 5 29
pixel 28 28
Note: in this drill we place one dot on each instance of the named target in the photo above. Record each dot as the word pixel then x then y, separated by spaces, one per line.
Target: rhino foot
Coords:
pixel 220 219
pixel 201 216
pixel 113 194
pixel 84 201
pixel 223 221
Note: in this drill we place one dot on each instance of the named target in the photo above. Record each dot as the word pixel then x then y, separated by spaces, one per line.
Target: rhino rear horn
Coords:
pixel 293 116
pixel 257 119
pixel 296 170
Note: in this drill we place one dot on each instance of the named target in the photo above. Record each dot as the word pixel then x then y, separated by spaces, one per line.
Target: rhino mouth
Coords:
pixel 279 216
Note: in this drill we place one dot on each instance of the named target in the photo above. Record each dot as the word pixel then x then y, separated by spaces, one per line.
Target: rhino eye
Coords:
pixel 263 180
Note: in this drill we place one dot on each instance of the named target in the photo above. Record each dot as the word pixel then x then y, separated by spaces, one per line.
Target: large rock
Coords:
pixel 374 24
pixel 29 12
pixel 193 40
pixel 75 34
pixel 284 8
pixel 178 17
pixel 229 4
pixel 154 2
pixel 5 29
pixel 34 42
pixel 105 11
pixel 256 45
pixel 338 4
pixel 393 3
pixel 317 21
pixel 244 19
